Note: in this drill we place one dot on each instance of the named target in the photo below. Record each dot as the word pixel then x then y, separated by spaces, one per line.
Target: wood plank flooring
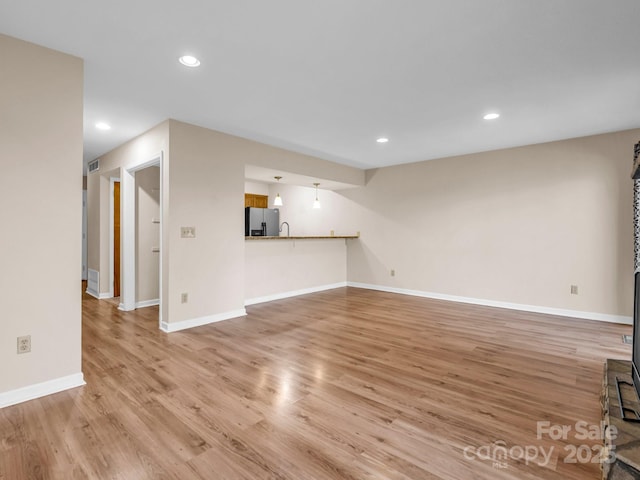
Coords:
pixel 343 384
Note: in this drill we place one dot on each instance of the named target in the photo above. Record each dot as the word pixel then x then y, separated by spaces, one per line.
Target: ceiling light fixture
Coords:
pixel 382 140
pixel 189 61
pixel 316 203
pixel 491 116
pixel 103 126
pixel 277 202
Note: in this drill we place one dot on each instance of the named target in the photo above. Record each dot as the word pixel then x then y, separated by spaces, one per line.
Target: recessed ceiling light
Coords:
pixel 491 116
pixel 382 140
pixel 103 126
pixel 189 61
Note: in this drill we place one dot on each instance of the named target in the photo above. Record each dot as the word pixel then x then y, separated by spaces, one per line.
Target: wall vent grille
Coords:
pixel 94 166
pixel 93 283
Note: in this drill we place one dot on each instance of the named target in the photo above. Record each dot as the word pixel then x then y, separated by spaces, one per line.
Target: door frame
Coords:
pixel 128 234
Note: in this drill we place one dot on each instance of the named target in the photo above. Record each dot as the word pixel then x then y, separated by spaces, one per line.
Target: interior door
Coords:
pixel 116 239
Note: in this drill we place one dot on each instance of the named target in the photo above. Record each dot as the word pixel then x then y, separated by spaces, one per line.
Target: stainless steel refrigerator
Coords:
pixel 259 222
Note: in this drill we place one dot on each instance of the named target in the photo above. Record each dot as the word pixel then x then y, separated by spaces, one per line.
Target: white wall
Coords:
pixel 518 225
pixel 41 194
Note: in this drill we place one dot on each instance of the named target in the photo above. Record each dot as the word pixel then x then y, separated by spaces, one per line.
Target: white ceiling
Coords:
pixel 327 77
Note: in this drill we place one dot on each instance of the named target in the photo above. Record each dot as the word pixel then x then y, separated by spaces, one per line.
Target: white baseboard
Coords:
pixel 38 390
pixel 148 303
pixel 602 317
pixel 198 322
pixel 293 293
pixel 99 296
pixel 92 293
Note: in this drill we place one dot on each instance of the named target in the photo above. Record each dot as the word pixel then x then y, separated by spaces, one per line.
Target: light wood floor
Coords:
pixel 344 384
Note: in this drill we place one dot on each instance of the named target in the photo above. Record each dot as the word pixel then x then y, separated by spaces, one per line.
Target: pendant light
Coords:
pixel 316 204
pixel 277 202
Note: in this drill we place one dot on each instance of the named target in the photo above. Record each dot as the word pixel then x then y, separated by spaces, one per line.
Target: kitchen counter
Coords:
pixel 306 237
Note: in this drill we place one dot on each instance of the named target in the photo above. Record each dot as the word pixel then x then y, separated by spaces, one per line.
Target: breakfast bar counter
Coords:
pixel 301 264
pixel 305 237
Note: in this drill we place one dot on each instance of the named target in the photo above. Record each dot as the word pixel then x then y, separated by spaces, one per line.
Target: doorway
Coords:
pixel 132 251
pixel 115 245
pixel 147 236
pixel 116 239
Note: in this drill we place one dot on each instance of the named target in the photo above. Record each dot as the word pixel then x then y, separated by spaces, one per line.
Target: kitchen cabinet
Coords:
pixel 255 200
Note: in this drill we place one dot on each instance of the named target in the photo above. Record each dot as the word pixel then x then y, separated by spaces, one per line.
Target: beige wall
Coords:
pixel 207 192
pixel 41 194
pixel 128 156
pixel 147 234
pixel 518 225
pixel 277 268
pixel 94 203
pixel 257 188
pixel 203 187
pixel 99 194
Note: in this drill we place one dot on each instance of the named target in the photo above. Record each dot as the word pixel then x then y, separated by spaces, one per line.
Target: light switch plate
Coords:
pixel 188 232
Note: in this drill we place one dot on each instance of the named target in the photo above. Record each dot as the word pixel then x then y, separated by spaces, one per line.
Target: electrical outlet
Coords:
pixel 184 298
pixel 393 273
pixel 188 232
pixel 574 289
pixel 24 344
